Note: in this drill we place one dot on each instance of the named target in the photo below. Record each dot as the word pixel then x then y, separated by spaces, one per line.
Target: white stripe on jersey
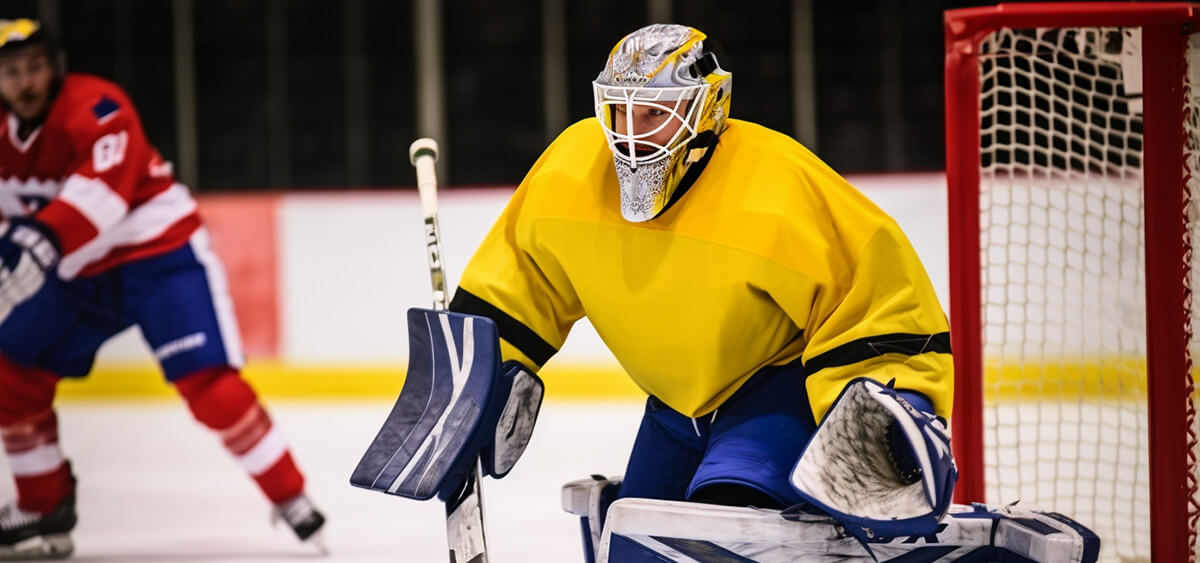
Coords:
pixel 12 190
pixel 143 224
pixel 40 460
pixel 14 125
pixel 222 302
pixel 94 199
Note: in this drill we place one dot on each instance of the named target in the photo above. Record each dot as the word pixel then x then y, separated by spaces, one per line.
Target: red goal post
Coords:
pixel 1071 263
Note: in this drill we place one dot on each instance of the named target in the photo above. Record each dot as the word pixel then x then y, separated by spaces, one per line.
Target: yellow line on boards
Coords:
pixel 1105 378
pixel 277 380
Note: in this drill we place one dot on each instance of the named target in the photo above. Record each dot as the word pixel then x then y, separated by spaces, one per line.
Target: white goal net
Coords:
pixel 1062 281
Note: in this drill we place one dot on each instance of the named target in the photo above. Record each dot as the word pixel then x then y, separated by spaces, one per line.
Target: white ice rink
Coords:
pixel 154 486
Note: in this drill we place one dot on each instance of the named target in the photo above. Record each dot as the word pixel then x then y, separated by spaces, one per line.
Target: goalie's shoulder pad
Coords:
pixel 848 469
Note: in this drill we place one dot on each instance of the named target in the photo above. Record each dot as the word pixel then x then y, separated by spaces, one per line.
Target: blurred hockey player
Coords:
pixel 97 236
pixel 791 344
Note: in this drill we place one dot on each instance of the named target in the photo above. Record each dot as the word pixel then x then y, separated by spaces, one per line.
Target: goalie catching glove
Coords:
pixel 28 250
pixel 877 465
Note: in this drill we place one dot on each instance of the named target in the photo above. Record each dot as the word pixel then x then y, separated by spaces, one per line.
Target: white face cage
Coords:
pixel 634 148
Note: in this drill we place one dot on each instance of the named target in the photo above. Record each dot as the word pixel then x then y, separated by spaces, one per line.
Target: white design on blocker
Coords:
pixel 460 367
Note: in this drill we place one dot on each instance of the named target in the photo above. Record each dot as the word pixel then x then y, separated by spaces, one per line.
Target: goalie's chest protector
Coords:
pixel 695 301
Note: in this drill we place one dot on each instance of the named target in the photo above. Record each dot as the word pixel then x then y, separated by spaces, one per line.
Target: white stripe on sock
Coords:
pixel 265 453
pixel 38 461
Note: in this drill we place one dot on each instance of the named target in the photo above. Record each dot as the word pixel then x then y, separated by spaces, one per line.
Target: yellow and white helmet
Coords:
pixel 18 34
pixel 12 31
pixel 660 66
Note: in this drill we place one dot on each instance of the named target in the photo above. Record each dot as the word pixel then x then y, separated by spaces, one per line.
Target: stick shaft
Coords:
pixel 427 188
pixel 464 513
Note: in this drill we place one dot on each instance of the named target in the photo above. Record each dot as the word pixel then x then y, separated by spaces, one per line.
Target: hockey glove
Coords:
pixel 28 250
pixel 515 426
pixel 877 465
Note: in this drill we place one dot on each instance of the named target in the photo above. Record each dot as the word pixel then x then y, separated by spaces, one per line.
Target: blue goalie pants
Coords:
pixel 179 299
pixel 752 440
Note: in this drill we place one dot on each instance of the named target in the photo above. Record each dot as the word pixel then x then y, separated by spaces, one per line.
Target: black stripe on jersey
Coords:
pixel 867 348
pixel 512 330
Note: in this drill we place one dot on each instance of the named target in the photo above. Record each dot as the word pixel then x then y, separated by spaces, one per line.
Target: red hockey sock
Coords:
pixel 223 401
pixel 29 431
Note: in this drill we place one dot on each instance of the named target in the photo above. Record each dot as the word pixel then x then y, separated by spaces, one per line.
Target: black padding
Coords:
pixel 512 330
pixel 872 346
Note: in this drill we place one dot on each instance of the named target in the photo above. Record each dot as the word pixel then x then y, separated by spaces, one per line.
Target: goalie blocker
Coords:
pixel 646 530
pixel 458 402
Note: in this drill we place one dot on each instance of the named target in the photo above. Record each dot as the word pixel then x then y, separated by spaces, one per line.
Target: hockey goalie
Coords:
pixel 795 356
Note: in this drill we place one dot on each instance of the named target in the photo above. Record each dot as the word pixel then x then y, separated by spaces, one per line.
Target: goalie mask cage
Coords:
pixel 1072 163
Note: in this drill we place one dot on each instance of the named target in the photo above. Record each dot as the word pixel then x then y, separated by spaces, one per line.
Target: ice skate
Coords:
pixel 304 519
pixel 28 535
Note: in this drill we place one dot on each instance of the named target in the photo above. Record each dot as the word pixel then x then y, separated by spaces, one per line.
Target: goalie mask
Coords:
pixel 662 100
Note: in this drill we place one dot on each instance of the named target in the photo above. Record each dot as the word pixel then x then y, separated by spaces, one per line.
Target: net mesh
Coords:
pixel 1191 171
pixel 1063 277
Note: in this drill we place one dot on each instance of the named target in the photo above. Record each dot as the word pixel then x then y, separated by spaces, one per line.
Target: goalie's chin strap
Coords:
pixel 706 141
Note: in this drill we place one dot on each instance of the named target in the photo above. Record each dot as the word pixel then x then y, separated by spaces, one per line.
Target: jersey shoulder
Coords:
pixel 581 142
pixel 764 154
pixel 768 194
pixel 781 172
pixel 577 161
pixel 88 105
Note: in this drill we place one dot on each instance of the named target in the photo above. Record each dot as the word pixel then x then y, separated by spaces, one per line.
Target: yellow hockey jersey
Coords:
pixel 770 256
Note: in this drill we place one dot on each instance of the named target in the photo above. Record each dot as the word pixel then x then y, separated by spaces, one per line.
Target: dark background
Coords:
pixel 273 111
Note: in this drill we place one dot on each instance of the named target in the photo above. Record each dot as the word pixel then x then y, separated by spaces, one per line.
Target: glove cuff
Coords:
pixel 34 237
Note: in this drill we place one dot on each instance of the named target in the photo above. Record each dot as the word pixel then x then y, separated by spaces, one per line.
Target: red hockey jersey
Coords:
pixel 90 174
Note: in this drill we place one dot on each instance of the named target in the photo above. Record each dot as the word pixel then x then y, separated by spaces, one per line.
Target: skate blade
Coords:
pixel 50 546
pixel 317 540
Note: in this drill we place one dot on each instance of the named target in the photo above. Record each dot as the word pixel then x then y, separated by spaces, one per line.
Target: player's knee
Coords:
pixel 26 391
pixel 217 397
pixel 734 494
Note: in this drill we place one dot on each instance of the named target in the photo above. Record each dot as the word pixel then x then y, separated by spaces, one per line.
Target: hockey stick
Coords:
pixel 464 510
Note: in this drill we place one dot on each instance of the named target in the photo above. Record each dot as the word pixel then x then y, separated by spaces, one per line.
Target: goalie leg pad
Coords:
pixel 654 530
pixel 589 499
pixel 442 419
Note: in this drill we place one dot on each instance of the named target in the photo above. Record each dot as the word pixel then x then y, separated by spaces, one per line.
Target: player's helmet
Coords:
pixel 657 66
pixel 21 33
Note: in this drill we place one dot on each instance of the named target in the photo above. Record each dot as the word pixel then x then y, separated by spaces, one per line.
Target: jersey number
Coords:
pixel 109 151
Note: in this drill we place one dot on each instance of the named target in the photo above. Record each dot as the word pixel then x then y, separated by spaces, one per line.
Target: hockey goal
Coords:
pixel 1074 175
